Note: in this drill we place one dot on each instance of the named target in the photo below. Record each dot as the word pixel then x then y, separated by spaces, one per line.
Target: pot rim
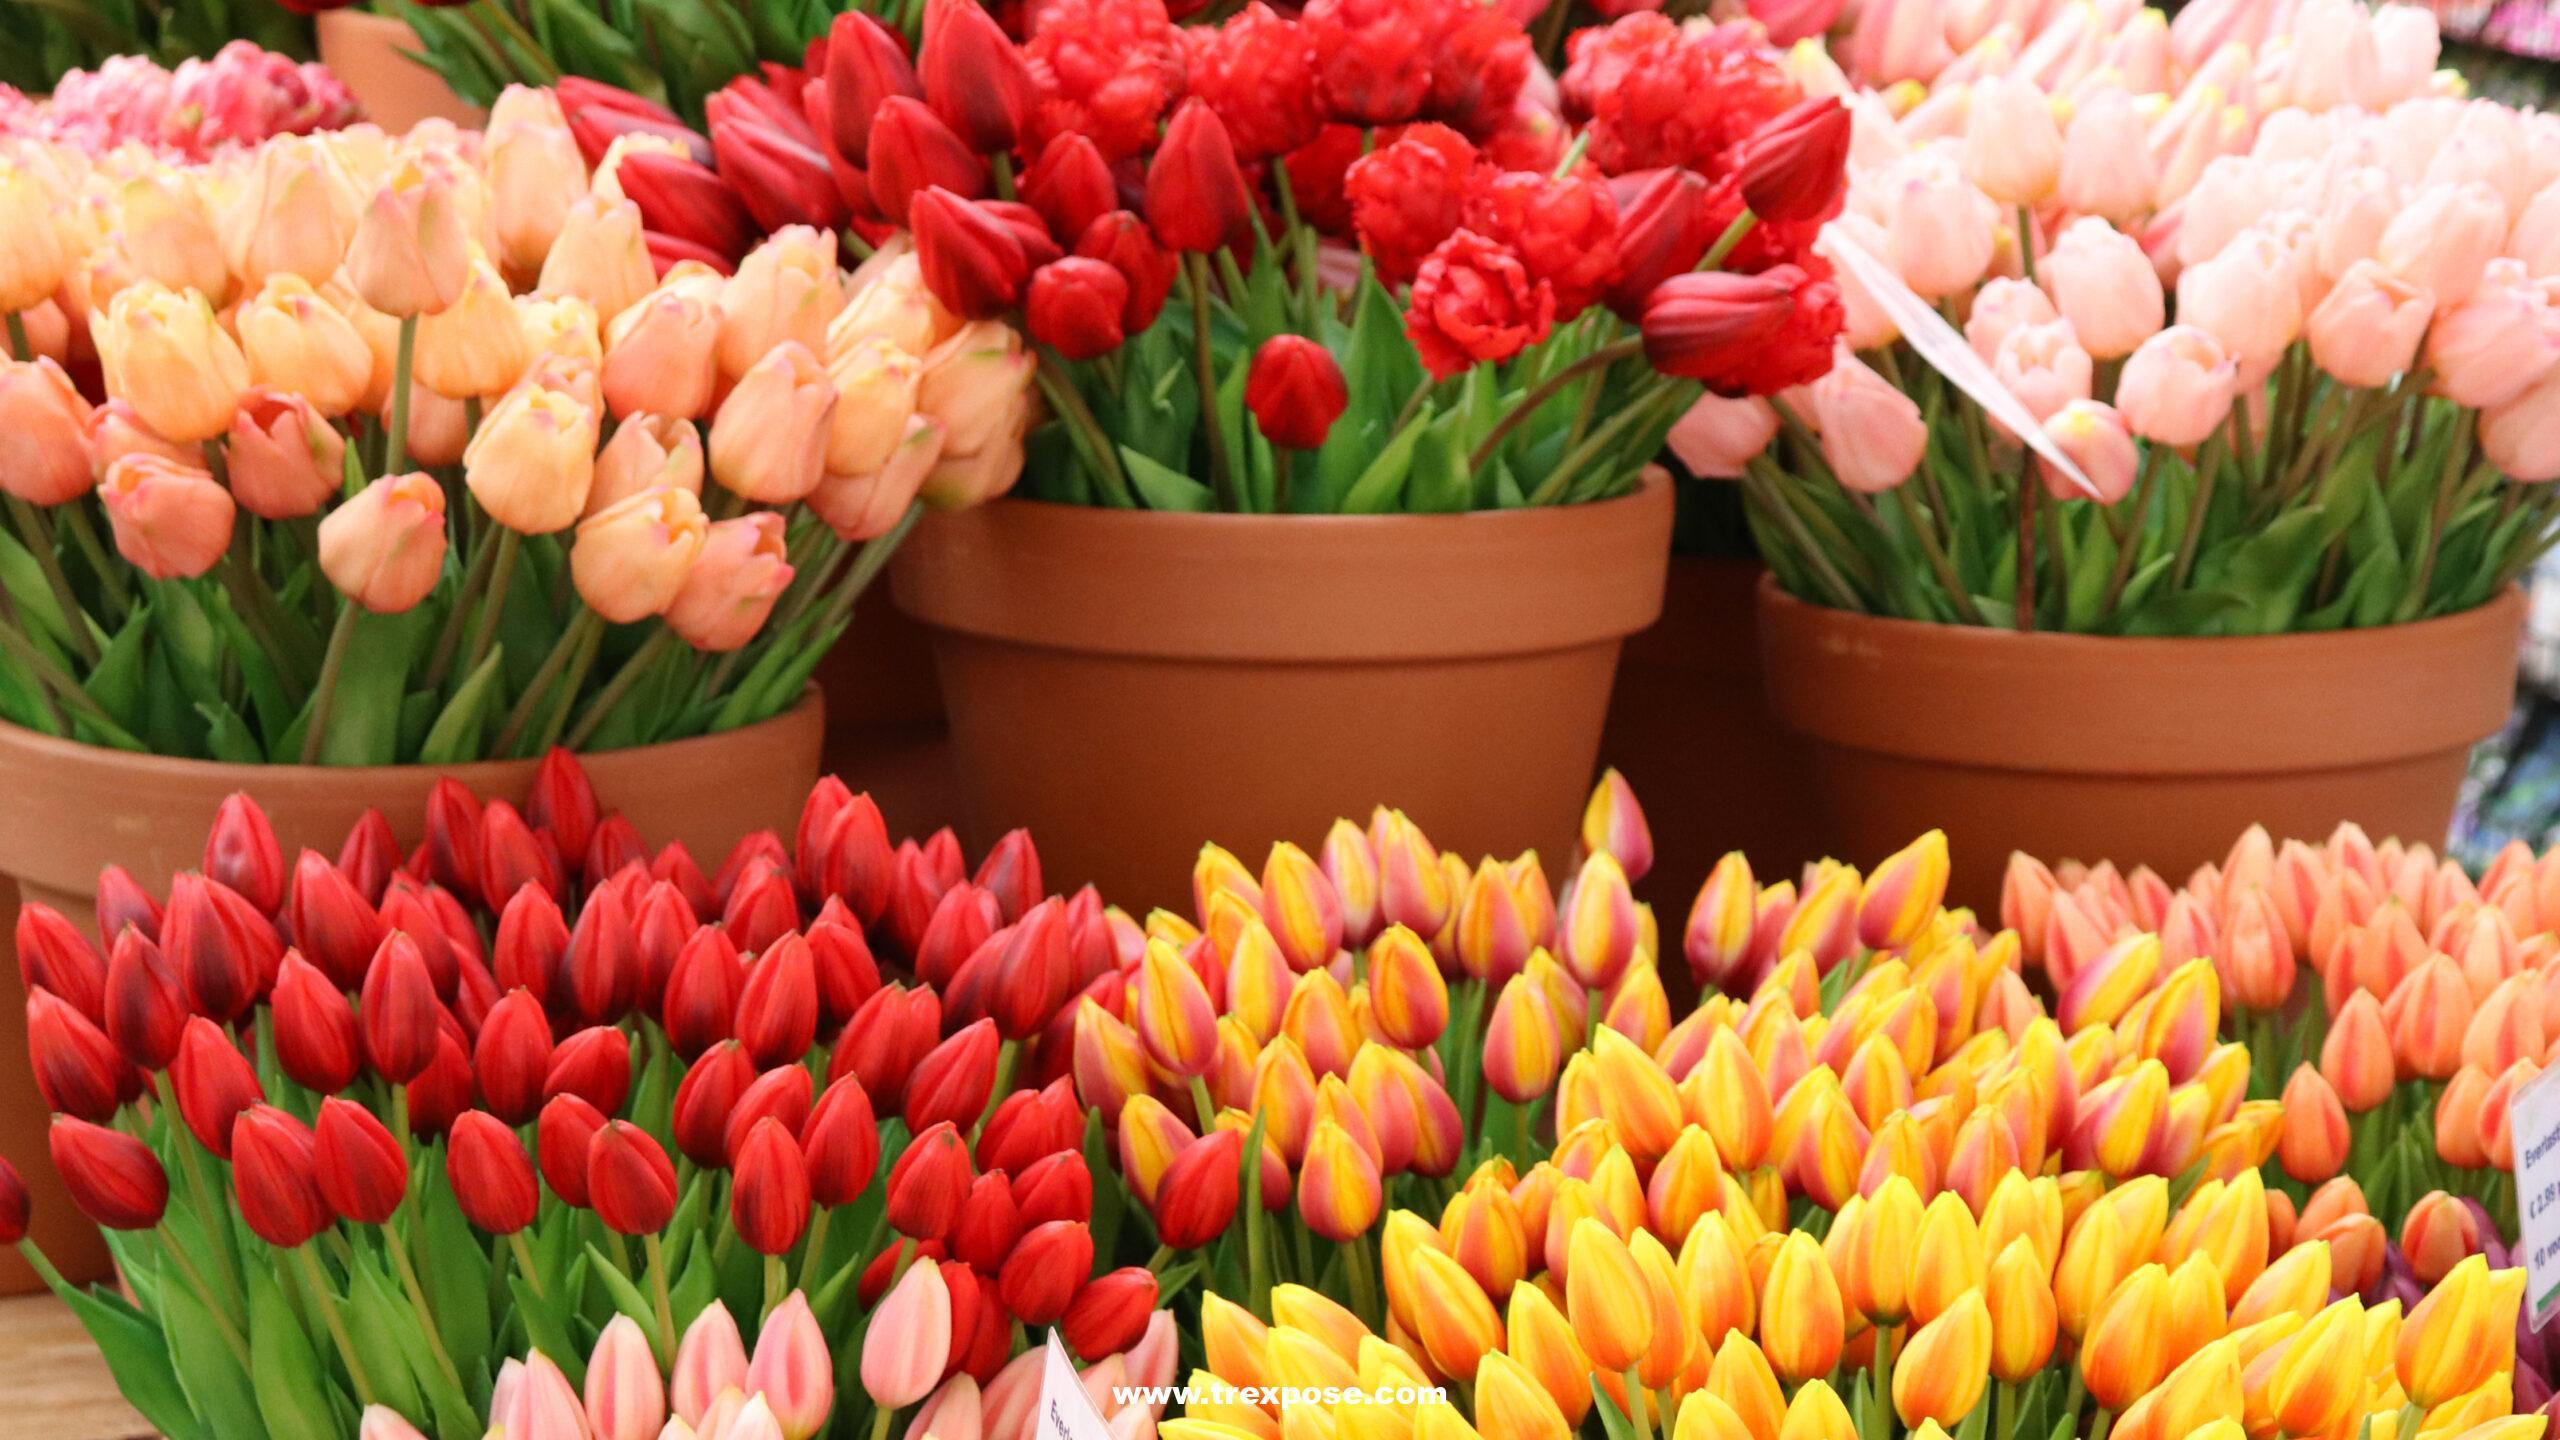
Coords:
pixel 1292 589
pixel 2140 705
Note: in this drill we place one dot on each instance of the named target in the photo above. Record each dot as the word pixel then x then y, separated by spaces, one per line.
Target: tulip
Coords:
pixel 625 1398
pixel 599 257
pixel 33 259
pixel 909 1341
pixel 2491 347
pixel 769 1195
pixel 1792 165
pixel 927 1183
pixel 630 1182
pixel 212 1080
pixel 1172 1014
pixel 2013 148
pixel 1697 324
pixel 2177 387
pixel 739 574
pixel 1196 1196
pixel 1942 1370
pixel 44 446
pixel 1872 433
pixel 170 521
pixel 384 549
pixel 631 559
pixel 2124 1353
pixel 533 459
pixel 2094 436
pixel 1074 305
pixel 2522 437
pixel 1340 1192
pixel 2366 330
pixel 1197 199
pixel 1522 1047
pixel 1800 1308
pixel 2442 240
pixel 491 1174
pixel 2457 1336
pixel 275 1179
pixel 113 1178
pixel 1295 390
pixel 146 1014
pixel 410 254
pixel 166 356
pixel 770 440
pixel 78 1069
pixel 791 1372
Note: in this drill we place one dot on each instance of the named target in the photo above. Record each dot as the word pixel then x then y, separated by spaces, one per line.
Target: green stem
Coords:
pixel 324 694
pixel 39 532
pixel 84 533
pixel 658 1296
pixel 541 689
pixel 19 345
pixel 1059 388
pixel 1221 476
pixel 426 1312
pixel 812 1255
pixel 532 1273
pixel 1600 359
pixel 581 664
pixel 1732 236
pixel 502 570
pixel 404 363
pixel 2027 488
pixel 327 1303
pixel 1638 1413
pixel 2027 244
pixel 611 696
pixel 475 578
pixel 1206 1107
pixel 1008 1055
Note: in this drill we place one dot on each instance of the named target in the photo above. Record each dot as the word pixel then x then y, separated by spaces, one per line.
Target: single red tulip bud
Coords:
pixel 512 856
pixel 613 848
pixel 1695 323
pixel 1090 938
pixel 444 1092
pixel 1795 166
pixel 398 1010
pixel 600 113
pixel 79 1071
pixel 1295 391
pixel 146 1013
pixel 966 995
pixel 603 964
pixel 762 908
pixel 1011 874
pixel 1197 199
pixel 842 1142
pixel 407 911
pixel 841 958
pixel 892 1261
pixel 866 65
pixel 1109 1313
pixel 974 75
pixel 705 1098
pixel 852 860
pixel 492 1177
pixel 563 802
pixel 914 893
pixel 452 843
pixel 1035 974
pixel 52 953
pixel 1045 1271
pixel 660 925
pixel 1046 1122
pixel 752 853
pixel 214 1084
pixel 1196 1195
pixel 829 798
pixel 689 210
pixel 1056 1188
pixel 369 855
pixel 594 1065
pixel 532 947
pixel 123 904
pixel 16 1205
pixel 927 1183
pixel 961 923
pixel 275 1177
pixel 675 865
pixel 965 1286
pixel 1074 307
pixel 1121 240
pixel 702 992
pixel 474 998
pixel 885 1039
pixel 778 1004
pixel 363 1170
pixel 560 1140
pixel 333 924
pixel 222 948
pixel 990 1337
pixel 971 257
pixel 782 1094
pixel 241 852
pixel 988 1224
pixel 1661 214
pixel 1070 185
pixel 630 1182
pixel 315 1028
pixel 113 1178
pixel 914 153
pixel 769 1195
pixel 954 1080
pixel 512 1056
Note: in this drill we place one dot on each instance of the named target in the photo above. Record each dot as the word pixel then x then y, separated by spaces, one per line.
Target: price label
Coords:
pixel 2535 1115
pixel 1066 1411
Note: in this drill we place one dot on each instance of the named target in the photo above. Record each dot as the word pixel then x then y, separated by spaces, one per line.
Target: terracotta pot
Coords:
pixel 886 730
pixel 371 53
pixel 1130 684
pixel 1689 726
pixel 74 809
pixel 2141 751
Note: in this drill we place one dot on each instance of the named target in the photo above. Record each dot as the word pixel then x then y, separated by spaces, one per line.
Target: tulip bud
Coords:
pixel 630 1182
pixel 78 1070
pixel 1197 199
pixel 1793 166
pixel 769 440
pixel 1074 306
pixel 384 549
pixel 532 460
pixel 171 521
pixel 769 1196
pixel 1295 391
pixel 274 1177
pixel 214 1083
pixel 113 1178
pixel 1109 1313
pixel 1698 324
pixel 625 1398
pixel 361 1167
pixel 909 1341
pixel 711 1360
pixel 410 254
pixel 928 1182
pixel 166 355
pixel 735 580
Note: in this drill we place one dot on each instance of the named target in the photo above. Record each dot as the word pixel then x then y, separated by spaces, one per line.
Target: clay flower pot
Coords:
pixel 372 53
pixel 885 720
pixel 75 809
pixel 2141 751
pixel 1130 684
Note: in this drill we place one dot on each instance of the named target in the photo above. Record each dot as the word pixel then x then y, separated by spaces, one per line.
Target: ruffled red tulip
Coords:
pixel 1109 1313
pixel 769 1196
pixel 778 1004
pixel 1030 1125
pixel 594 1065
pixel 1197 199
pixel 973 75
pixel 315 1028
pixel 452 843
pixel 512 1057
pixel 79 1071
pixel 971 259
pixel 369 855
pixel 841 958
pixel 702 992
pixel 492 1177
pixel 630 1182
pixel 782 1094
pixel 928 1182
pixel 560 1141
pixel 398 1011
pixel 222 948
pixel 603 965
pixel 954 1080
pixel 333 924
pixel 214 1084
pixel 842 1144
pixel 1295 391
pixel 1794 167
pixel 444 1091
pixel 886 1039
pixel 145 1011
pixel 1056 1188
pixel 113 1178
pixel 866 65
pixel 512 856
pixel 532 948
pixel 16 1205
pixel 1046 1270
pixel 1074 306
pixel 275 1177
pixel 1196 1195
pixel 989 1225
pixel 1071 186
pixel 123 903
pixel 705 1098
pixel 52 953
pixel 363 1171
pixel 241 852
pixel 563 802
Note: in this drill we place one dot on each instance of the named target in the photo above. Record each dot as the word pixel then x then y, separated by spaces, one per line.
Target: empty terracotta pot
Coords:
pixel 2141 751
pixel 75 809
pixel 1132 684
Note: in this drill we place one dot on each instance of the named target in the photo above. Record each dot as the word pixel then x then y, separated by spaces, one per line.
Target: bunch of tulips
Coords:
pixel 360 1128
pixel 411 450
pixel 241 94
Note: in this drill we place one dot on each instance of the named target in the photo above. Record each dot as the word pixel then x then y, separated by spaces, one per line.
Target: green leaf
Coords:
pixel 1165 488
pixel 294 1398
pixel 456 735
pixel 453 1269
pixel 227 736
pixel 388 1340
pixel 627 1297
pixel 364 723
pixel 118 680
pixel 1380 488
pixel 1438 483
pixel 138 1354
pixel 546 1329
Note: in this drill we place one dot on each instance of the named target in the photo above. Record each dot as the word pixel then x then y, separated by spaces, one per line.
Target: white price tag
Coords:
pixel 2535 1115
pixel 1066 1411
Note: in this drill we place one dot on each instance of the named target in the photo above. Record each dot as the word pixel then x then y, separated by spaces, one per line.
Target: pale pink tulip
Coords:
pixel 1716 437
pixel 2535 236
pixel 1153 1359
pixel 2366 331
pixel 792 1371
pixel 2227 198
pixel 2487 349
pixel 2107 169
pixel 44 434
pixel 711 1358
pixel 381 1422
pixel 756 1421
pixel 1899 40
pixel 2012 145
pixel 2522 437
pixel 2204 27
pixel 2001 306
pixel 2105 286
pixel 1872 434
pixel 544 1405
pixel 1864 324
pixel 171 521
pixel 2095 438
pixel 2358 209
pixel 626 1399
pixel 2178 387
pixel 2444 239
pixel 384 549
pixel 2199 125
pixel 954 1412
pixel 2248 298
pixel 1942 228
pixel 2407 46
pixel 2045 366
pixel 286 459
pixel 2333 60
pixel 1008 1408
pixel 909 1341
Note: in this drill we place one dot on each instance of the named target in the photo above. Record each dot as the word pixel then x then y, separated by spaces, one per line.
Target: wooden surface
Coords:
pixel 53 1386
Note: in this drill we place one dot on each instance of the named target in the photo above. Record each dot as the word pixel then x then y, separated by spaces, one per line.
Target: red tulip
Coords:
pixel 1030 1125
pixel 444 1091
pixel 973 74
pixel 613 848
pixel 682 198
pixel 407 909
pixel 702 992
pixel 275 1177
pixel 492 1176
pixel 782 1094
pixel 79 1071
pixel 333 924
pixel 780 170
pixel 1046 1270
pixel 512 856
pixel 851 859
pixel 971 258
pixel 842 1143
pixel 676 866
pixel 1197 199
pixel 630 1182
pixel 122 902
pixel 963 918
pixel 241 852
pixel 1109 1313
pixel 1295 391
pixel 599 113
pixel 563 802
pixel 512 1057
pixel 1196 1195
pixel 214 1084
pixel 841 958
pixel 113 1178
pixel 1121 240
pixel 145 1011
pixel 1074 306
pixel 315 1028
pixel 369 856
pixel 52 953
pixel 886 1039
pixel 660 925
pixel 1056 1188
pixel 705 1099
pixel 362 1170
pixel 1695 323
pixel 981 1352
pixel 989 1223
pixel 752 853
pixel 221 947
pixel 866 65
pixel 1794 167
pixel 1660 216
pixel 561 1140
pixel 778 1004
pixel 594 1065
pixel 16 1205
pixel 1071 186
pixel 398 1011
pixel 955 1078
pixel 913 153
pixel 927 1183
pixel 914 892
pixel 603 966
pixel 769 1196
pixel 532 947
pixel 452 842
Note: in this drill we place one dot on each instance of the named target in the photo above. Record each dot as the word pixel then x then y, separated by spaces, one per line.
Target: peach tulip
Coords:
pixel 769 441
pixel 625 1397
pixel 735 580
pixel 600 256
pixel 859 507
pixel 165 355
pixel 660 354
pixel 710 1359
pixel 2012 146
pixel 165 234
pixel 411 253
pixel 286 459
pixel 647 451
pixel 2095 437
pixel 44 434
pixel 384 548
pixel 2522 436
pixel 474 348
pixel 787 289
pixel 2044 366
pixel 2001 306
pixel 2366 330
pixel 2444 239
pixel 171 521
pixel 562 325
pixel 33 258
pixel 1941 226
pixel 535 175
pixel 2107 170
pixel 533 460
pixel 2248 298
pixel 2487 349
pixel 631 558
pixel 2359 207
pixel 294 340
pixel 293 215
pixel 2177 388
pixel 875 384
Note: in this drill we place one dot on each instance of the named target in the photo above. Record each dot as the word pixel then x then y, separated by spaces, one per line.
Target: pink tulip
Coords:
pixel 1899 40
pixel 755 1421
pixel 626 1400
pixel 2522 437
pixel 2199 125
pixel 2107 169
pixel 2205 26
pixel 2406 40
pixel 2366 330
pixel 769 441
pixel 1716 437
pixel 860 507
pixel 1153 1359
pixel 709 1359
pixel 381 1422
pixel 2360 206
pixel 740 572
pixel 660 356
pixel 2444 239
pixel 1872 433
pixel 1864 323
pixel 542 1404
pixel 909 1342
pixel 2095 438
pixel 2535 236
pixel 2177 388
pixel 2012 147
pixel 1007 1408
pixel 44 440
pixel 384 549
pixel 171 521
pixel 2001 306
pixel 2332 60
pixel 2227 199
pixel 2044 366
pixel 791 1369
pixel 1942 228
pixel 2105 286
pixel 954 1412
pixel 2248 298
pixel 2487 349
pixel 286 460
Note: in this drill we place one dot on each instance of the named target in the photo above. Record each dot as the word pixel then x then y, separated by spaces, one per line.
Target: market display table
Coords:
pixel 59 1388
